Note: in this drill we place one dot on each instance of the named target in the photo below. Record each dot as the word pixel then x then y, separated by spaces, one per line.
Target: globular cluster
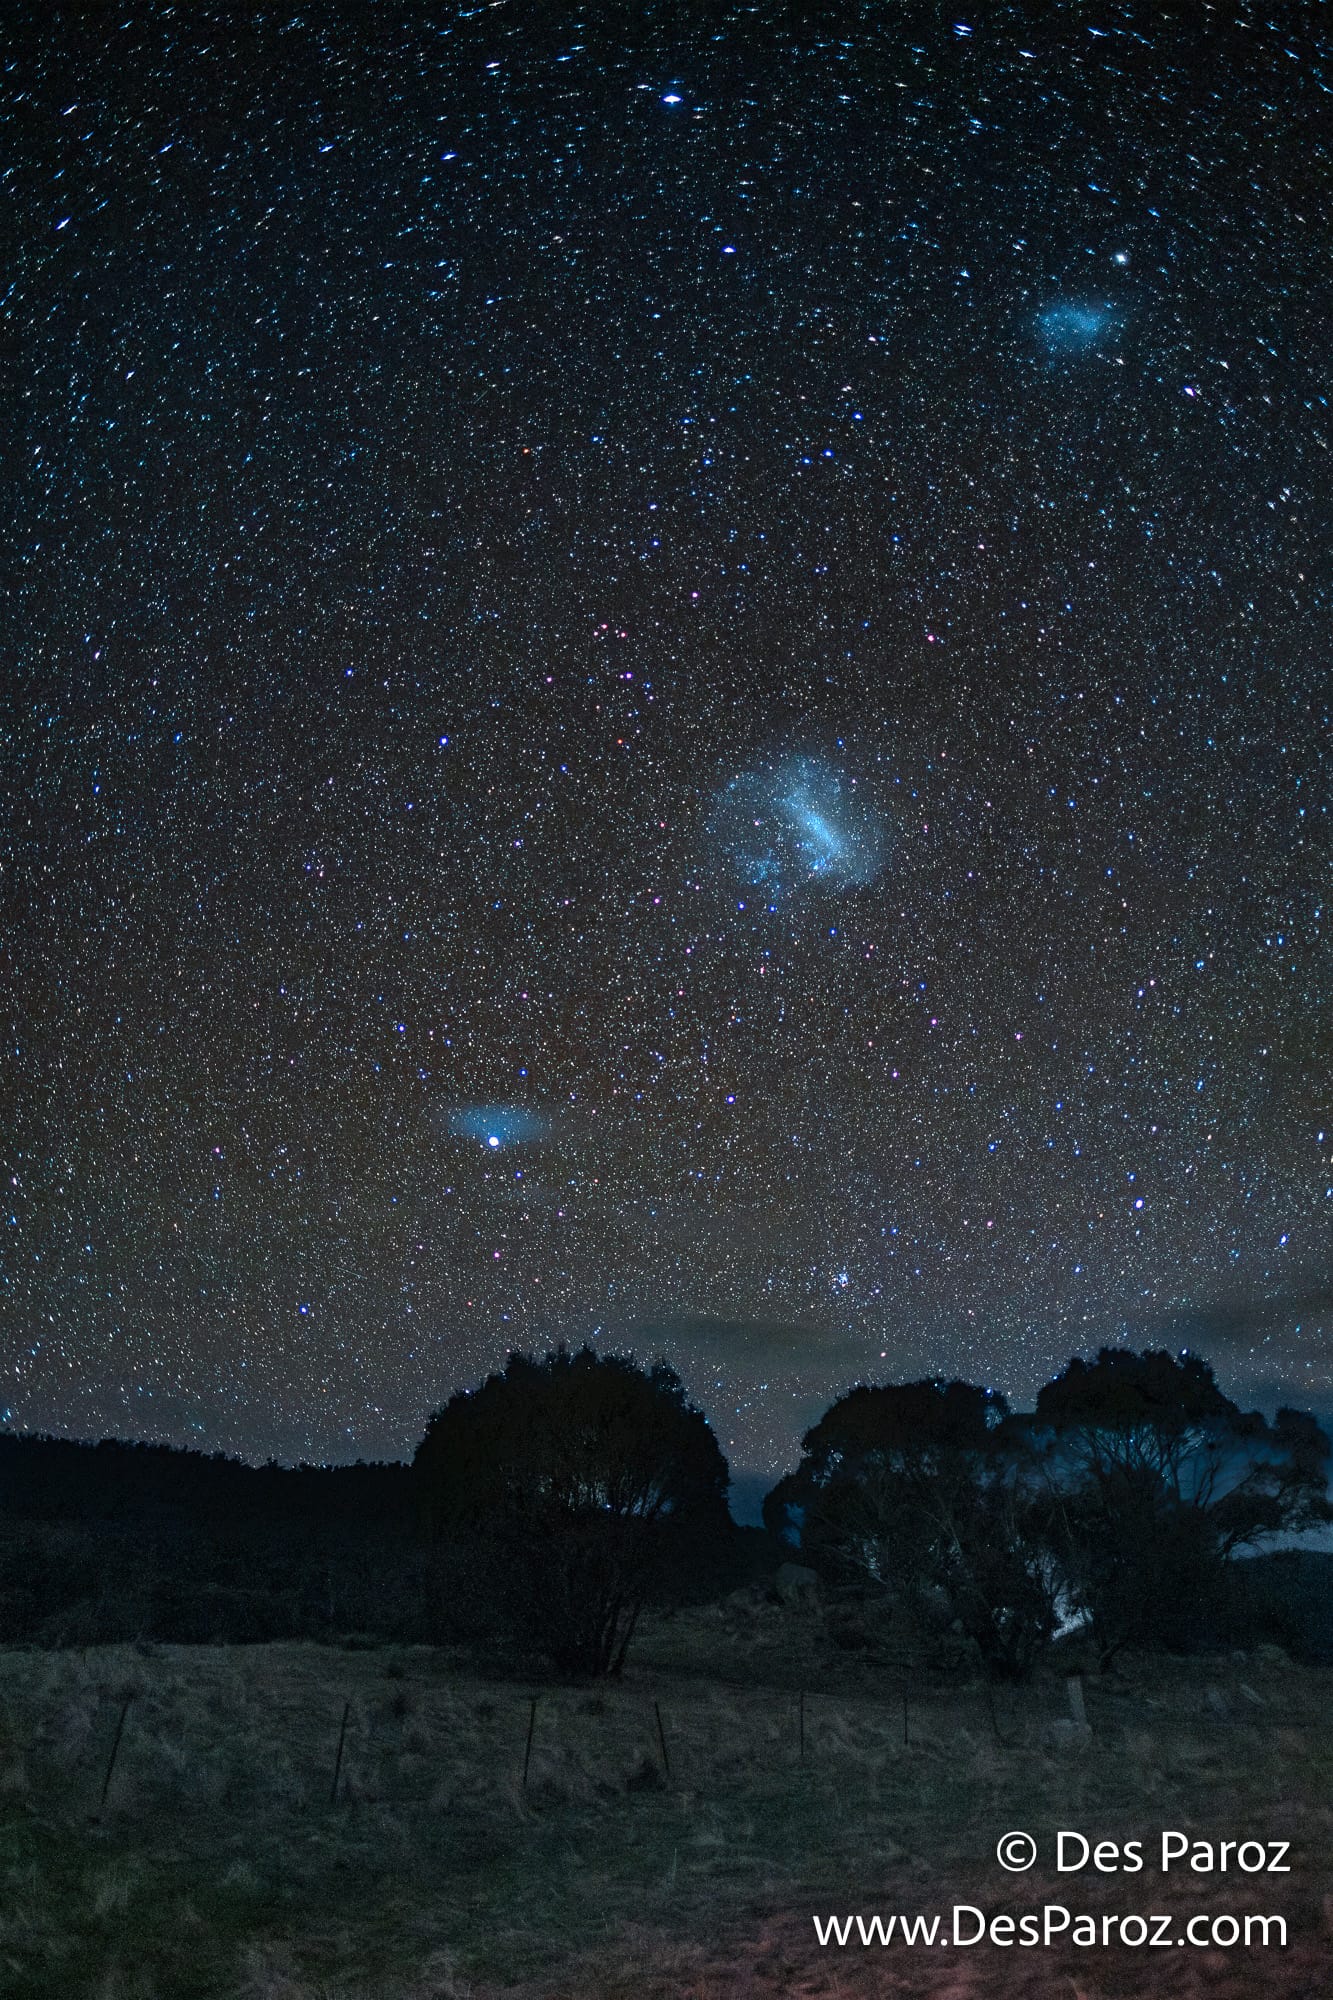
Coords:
pixel 671 687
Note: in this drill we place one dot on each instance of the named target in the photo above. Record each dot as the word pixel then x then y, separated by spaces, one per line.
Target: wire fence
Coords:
pixel 395 1742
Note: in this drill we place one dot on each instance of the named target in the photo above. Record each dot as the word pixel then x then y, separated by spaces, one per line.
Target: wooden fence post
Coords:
pixel 115 1751
pixel 338 1760
pixel 527 1748
pixel 1077 1710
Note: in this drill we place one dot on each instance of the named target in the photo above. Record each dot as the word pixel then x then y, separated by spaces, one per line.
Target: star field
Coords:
pixel 670 684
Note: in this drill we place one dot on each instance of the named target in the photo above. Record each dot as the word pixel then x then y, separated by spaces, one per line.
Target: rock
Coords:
pixel 795 1584
pixel 748 1599
pixel 1066 1734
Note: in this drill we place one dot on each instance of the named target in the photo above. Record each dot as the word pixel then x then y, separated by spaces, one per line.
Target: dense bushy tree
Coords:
pixel 580 1475
pixel 922 1491
pixel 1155 1478
pixel 1120 1501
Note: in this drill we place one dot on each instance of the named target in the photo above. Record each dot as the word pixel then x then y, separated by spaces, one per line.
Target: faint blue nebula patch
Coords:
pixel 799 823
pixel 495 1126
pixel 1075 326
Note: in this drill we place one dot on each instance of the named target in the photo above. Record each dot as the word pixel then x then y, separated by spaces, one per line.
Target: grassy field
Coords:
pixel 222 1865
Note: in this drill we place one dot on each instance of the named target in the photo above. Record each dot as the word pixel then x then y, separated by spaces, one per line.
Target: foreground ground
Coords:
pixel 221 1865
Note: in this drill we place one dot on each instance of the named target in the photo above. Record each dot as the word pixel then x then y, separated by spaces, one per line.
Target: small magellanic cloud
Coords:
pixel 495 1126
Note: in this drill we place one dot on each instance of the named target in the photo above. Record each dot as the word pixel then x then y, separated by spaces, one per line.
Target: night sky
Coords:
pixel 669 684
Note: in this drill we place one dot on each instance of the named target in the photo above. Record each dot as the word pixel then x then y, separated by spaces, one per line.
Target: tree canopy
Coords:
pixel 581 1471
pixel 919 1490
pixel 1119 1500
pixel 1157 1478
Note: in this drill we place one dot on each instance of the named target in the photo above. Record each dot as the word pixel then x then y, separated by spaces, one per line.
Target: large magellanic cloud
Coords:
pixel 798 823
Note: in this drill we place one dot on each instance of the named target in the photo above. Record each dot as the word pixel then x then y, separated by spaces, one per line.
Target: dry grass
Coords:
pixel 220 1866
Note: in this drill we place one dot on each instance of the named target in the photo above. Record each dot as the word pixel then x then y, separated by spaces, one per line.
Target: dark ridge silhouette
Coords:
pixel 116 1541
pixel 46 1478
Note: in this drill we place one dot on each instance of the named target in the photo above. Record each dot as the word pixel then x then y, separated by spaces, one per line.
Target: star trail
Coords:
pixel 669 685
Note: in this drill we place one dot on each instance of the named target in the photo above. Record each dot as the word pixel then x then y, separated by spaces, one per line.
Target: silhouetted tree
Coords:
pixel 578 1474
pixel 921 1490
pixel 1155 1478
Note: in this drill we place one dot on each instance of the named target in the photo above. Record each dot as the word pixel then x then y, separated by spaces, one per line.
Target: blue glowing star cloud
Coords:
pixel 801 824
pixel 496 1125
pixel 1073 326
